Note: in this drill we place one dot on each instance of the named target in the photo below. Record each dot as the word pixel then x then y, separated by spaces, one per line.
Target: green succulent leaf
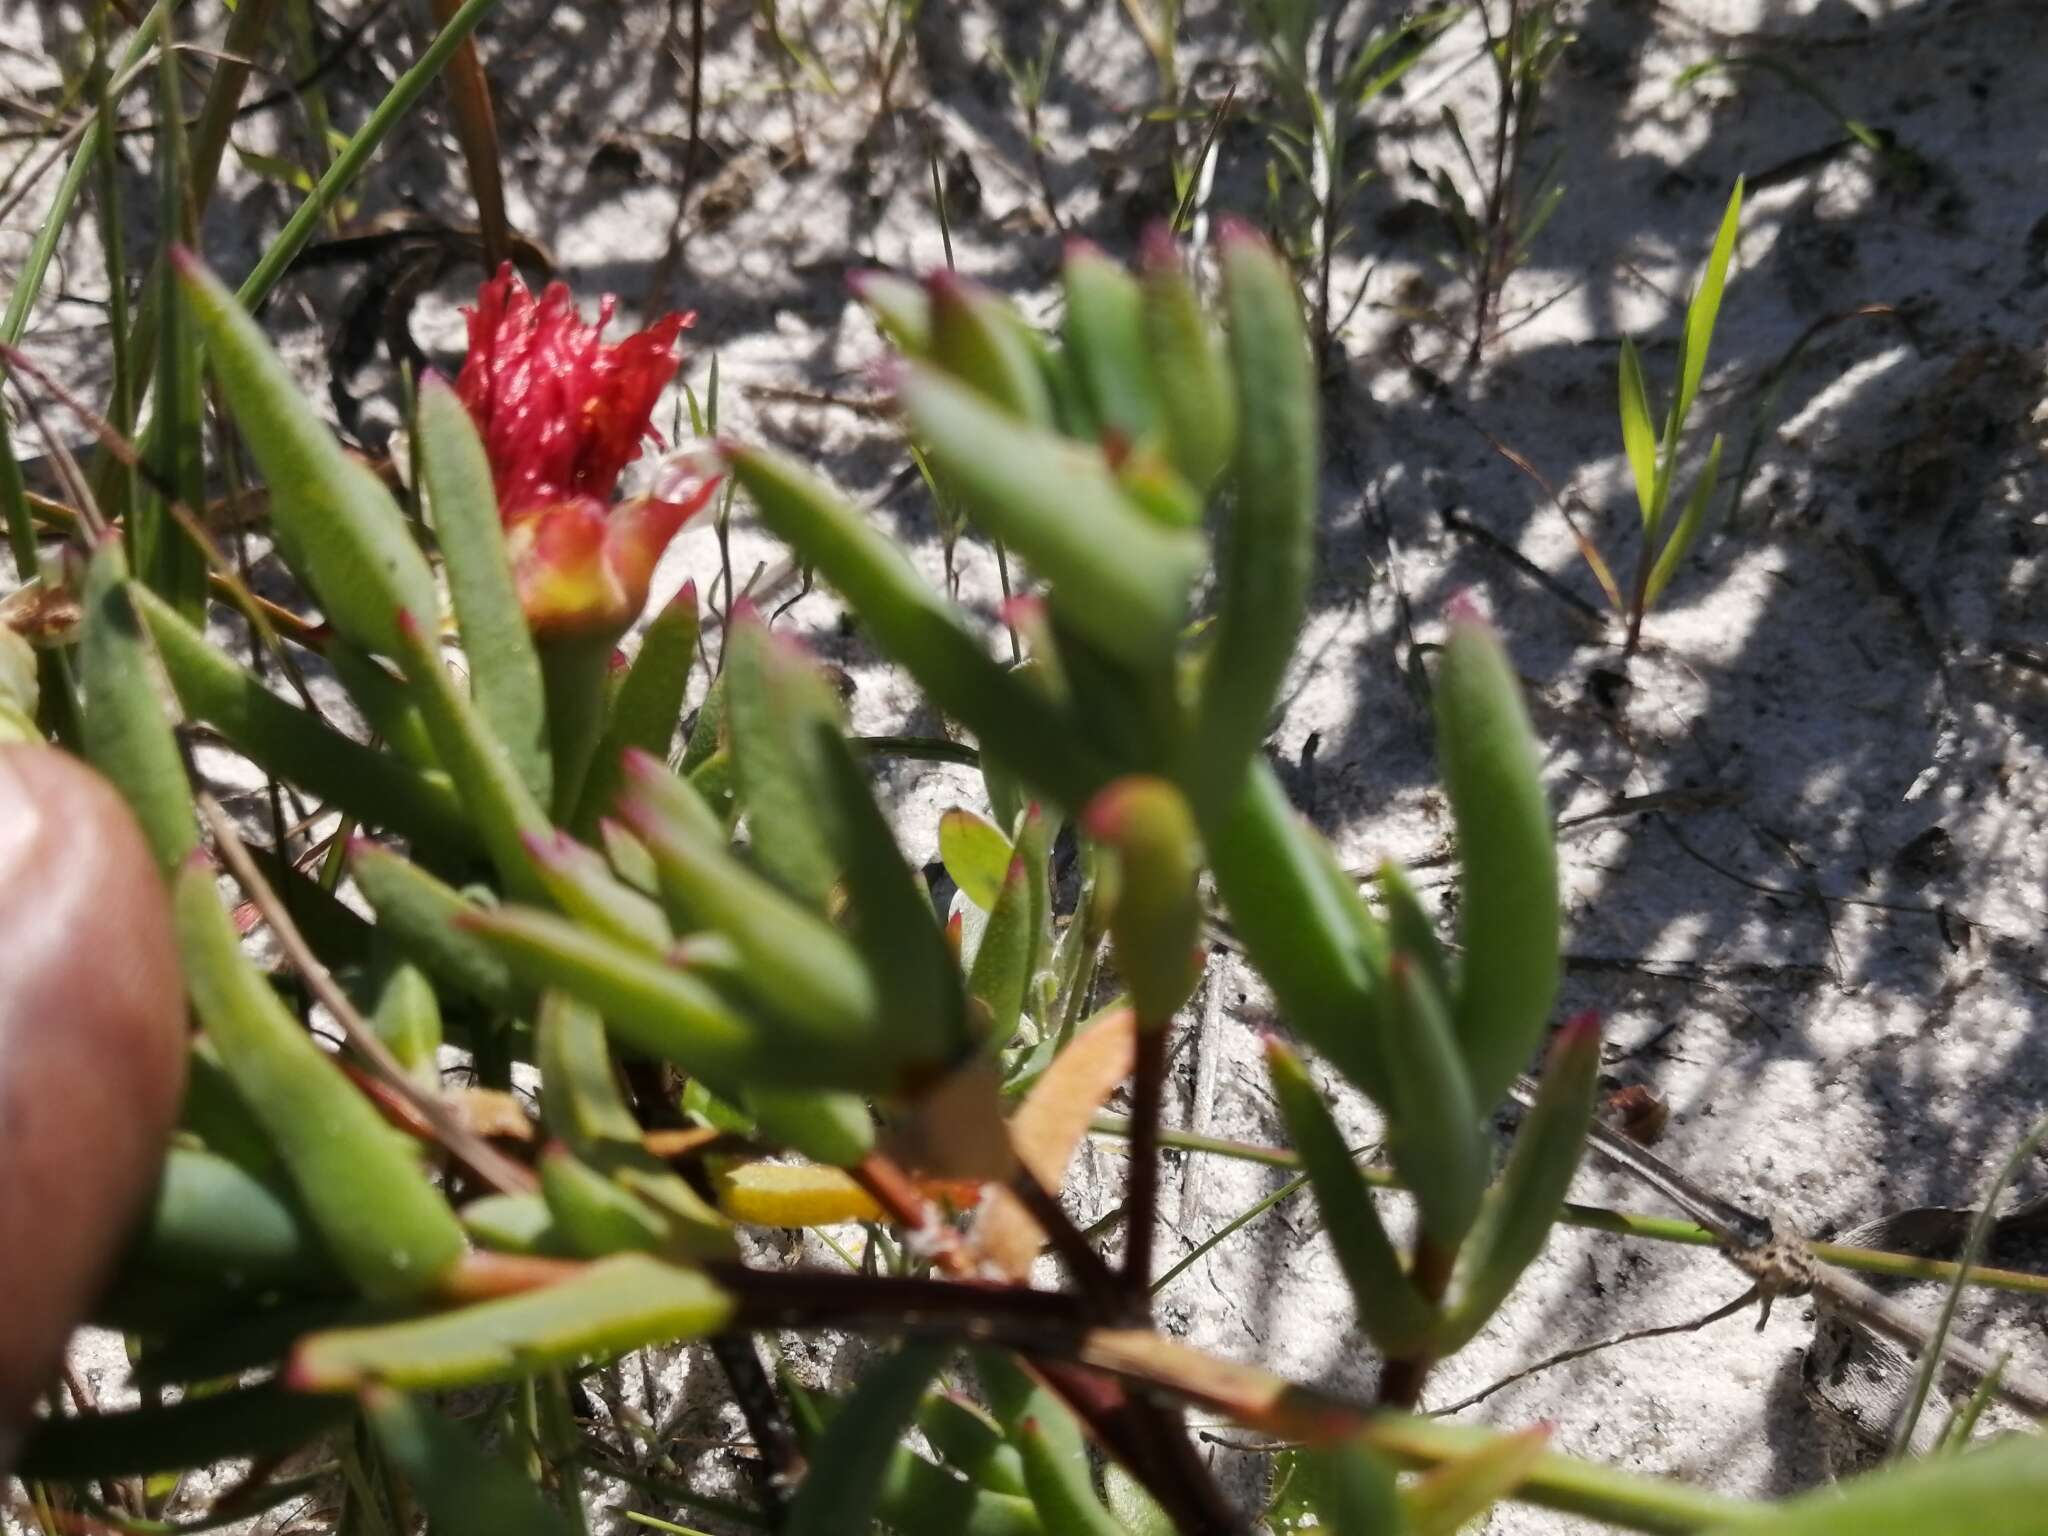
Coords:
pixel 849 1464
pixel 1197 394
pixel 794 961
pixel 1393 1313
pixel 1060 1487
pixel 504 667
pixel 465 1490
pixel 607 1308
pixel 1347 1488
pixel 509 821
pixel 976 854
pixel 1116 575
pixel 1268 548
pixel 126 733
pixel 1302 922
pixel 262 1421
pixel 210 1217
pixel 1001 974
pixel 2002 1488
pixel 648 706
pixel 335 523
pixel 980 340
pixel 1507 883
pixel 379 789
pixel 891 919
pixel 1516 1217
pixel 1105 340
pixel 388 1227
pixel 423 917
pixel 915 625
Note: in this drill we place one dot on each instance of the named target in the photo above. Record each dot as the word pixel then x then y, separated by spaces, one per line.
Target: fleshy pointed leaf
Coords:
pixel 971 1441
pixel 1001 974
pixel 891 918
pixel 647 707
pixel 1197 396
pixel 1460 1491
pixel 209 1216
pixel 1348 1488
pixel 901 307
pixel 464 1490
pixel 1116 576
pixel 1507 881
pixel 915 625
pixel 828 1127
pixel 1390 1309
pixel 389 1228
pixel 127 736
pixel 582 884
pixel 504 668
pixel 1519 1211
pixel 976 854
pixel 601 1311
pixel 335 522
pixel 1155 916
pixel 505 813
pixel 850 1464
pixel 982 342
pixel 1105 340
pixel 580 1102
pixel 376 787
pixel 773 694
pixel 669 1013
pixel 1435 1136
pixel 422 917
pixel 1268 550
pixel 1061 1489
pixel 1302 922
pixel 2002 1488
pixel 1409 929
pixel 407 1018
pixel 593 1215
pixel 796 962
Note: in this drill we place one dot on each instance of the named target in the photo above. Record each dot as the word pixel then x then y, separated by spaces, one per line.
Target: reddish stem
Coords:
pixel 1141 1198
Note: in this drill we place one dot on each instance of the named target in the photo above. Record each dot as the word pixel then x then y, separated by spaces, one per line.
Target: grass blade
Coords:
pixel 1689 523
pixel 1701 313
pixel 1638 435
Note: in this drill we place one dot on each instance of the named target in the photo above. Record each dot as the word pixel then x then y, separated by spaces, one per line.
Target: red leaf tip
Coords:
pixel 1463 607
pixel 1158 250
pixel 1233 229
pixel 1582 1028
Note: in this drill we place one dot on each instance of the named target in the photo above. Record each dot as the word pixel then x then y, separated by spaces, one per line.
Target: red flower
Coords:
pixel 562 412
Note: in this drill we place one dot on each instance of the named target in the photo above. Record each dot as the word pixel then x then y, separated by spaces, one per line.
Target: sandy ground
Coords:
pixel 1817 935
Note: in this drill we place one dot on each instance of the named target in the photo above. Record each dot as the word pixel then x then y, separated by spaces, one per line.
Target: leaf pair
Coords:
pixel 1653 453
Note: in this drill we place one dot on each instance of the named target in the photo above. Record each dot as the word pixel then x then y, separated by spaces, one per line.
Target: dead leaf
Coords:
pixel 955 1129
pixel 1055 1115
